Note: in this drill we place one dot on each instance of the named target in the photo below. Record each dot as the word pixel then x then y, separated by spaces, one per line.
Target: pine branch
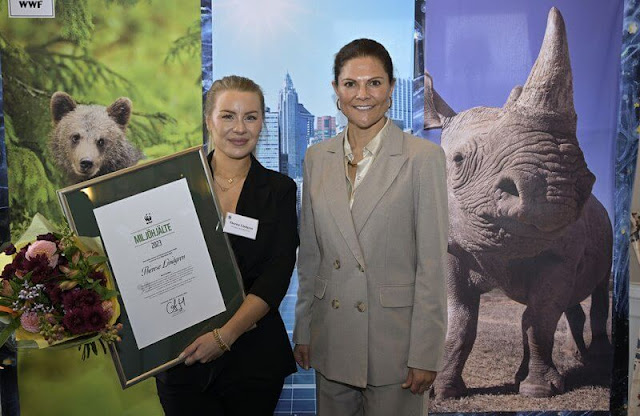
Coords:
pixel 188 44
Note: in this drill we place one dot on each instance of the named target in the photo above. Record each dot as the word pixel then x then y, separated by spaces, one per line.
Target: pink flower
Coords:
pixel 30 322
pixel 46 248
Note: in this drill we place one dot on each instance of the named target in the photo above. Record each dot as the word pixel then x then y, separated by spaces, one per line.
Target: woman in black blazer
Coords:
pixel 236 370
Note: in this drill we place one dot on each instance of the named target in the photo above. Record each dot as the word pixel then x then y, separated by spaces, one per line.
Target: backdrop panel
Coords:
pixel 287 47
pixel 476 54
pixel 95 51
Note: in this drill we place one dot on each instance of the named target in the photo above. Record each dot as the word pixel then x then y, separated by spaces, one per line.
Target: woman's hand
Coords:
pixel 203 349
pixel 206 348
pixel 301 352
pixel 418 380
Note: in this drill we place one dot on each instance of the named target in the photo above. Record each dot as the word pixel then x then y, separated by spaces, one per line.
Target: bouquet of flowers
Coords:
pixel 56 290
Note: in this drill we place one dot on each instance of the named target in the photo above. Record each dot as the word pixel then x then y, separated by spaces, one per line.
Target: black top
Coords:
pixel 266 265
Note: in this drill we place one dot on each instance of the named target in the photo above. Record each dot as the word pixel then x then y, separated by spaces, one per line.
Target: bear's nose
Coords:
pixel 86 164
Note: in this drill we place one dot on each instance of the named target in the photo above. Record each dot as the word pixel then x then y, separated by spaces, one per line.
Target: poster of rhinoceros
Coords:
pixel 523 98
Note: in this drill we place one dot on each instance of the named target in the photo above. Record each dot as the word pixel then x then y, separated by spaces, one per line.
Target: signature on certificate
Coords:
pixel 175 305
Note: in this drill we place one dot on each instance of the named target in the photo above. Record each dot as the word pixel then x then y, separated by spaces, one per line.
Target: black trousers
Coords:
pixel 224 397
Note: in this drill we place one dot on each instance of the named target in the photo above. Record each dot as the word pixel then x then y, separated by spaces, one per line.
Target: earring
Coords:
pixel 338 104
pixel 390 103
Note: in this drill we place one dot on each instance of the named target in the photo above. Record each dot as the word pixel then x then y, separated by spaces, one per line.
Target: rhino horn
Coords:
pixel 436 110
pixel 549 87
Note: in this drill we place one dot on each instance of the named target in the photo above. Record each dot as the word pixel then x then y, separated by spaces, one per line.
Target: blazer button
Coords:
pixel 360 267
pixel 361 306
pixel 336 264
pixel 335 304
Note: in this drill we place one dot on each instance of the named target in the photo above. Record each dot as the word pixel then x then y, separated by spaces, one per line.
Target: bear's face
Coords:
pixel 90 140
pixel 88 134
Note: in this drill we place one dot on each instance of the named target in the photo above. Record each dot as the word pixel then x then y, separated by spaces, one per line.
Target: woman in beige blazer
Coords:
pixel 371 312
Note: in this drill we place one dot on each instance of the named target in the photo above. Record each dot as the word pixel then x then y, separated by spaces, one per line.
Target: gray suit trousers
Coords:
pixel 339 399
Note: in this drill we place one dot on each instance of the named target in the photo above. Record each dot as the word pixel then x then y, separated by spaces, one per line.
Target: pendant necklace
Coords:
pixel 230 181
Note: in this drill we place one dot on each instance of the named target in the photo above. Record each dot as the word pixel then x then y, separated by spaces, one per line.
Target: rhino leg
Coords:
pixel 600 345
pixel 576 319
pixel 523 370
pixel 538 328
pixel 463 305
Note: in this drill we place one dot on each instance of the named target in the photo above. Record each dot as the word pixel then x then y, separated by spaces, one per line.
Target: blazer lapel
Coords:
pixel 253 196
pixel 335 189
pixel 254 192
pixel 383 172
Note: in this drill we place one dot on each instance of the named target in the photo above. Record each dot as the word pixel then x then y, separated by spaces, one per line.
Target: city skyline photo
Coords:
pixel 265 41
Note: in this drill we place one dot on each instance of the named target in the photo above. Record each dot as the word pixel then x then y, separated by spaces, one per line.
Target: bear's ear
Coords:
pixel 120 111
pixel 61 104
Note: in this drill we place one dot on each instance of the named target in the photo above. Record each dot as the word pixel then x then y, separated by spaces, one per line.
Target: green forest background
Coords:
pixel 97 51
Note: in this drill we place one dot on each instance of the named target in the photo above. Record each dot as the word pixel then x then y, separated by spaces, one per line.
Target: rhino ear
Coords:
pixel 120 111
pixel 514 95
pixel 61 103
pixel 436 110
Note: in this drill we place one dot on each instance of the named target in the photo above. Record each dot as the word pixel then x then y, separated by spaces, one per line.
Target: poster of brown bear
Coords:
pixel 90 140
pixel 104 85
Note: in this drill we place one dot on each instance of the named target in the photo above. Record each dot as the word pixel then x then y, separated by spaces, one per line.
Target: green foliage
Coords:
pixel 189 44
pixel 97 51
pixel 30 191
pixel 76 20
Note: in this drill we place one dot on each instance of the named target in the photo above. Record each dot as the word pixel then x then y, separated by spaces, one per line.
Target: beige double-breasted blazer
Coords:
pixel 372 297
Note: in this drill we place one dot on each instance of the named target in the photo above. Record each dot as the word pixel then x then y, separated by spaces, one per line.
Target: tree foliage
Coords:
pixel 97 51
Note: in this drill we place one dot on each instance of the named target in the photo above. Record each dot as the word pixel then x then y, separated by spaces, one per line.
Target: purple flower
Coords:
pixel 74 321
pixel 10 249
pixel 98 276
pixel 78 298
pixel 20 259
pixel 95 317
pixel 9 271
pixel 47 237
pixel 54 292
pixel 39 268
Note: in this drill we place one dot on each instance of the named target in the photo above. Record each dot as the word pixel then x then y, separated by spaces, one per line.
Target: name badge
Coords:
pixel 240 225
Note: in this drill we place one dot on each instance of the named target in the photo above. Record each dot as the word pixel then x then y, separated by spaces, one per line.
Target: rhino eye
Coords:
pixel 458 158
pixel 75 138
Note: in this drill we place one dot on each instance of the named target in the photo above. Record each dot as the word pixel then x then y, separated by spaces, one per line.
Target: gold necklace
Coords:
pixel 231 181
pixel 223 188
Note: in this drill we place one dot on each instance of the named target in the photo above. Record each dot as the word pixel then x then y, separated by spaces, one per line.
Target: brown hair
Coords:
pixel 231 83
pixel 361 48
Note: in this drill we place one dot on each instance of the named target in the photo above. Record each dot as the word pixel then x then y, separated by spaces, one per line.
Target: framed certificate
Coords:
pixel 173 266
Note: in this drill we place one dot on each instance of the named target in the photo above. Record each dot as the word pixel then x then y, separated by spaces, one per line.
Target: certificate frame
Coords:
pixel 78 202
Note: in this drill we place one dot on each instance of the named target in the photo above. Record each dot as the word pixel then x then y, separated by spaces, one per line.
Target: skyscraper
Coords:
pixel 325 127
pixel 288 111
pixel 401 111
pixel 305 134
pixel 268 148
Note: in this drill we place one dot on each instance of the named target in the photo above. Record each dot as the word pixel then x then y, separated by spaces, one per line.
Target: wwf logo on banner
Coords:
pixel 32 8
pixel 148 219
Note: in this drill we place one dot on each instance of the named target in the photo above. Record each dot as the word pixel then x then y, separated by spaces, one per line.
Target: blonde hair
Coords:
pixel 229 83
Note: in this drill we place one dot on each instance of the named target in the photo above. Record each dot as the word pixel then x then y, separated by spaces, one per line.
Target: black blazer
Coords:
pixel 266 265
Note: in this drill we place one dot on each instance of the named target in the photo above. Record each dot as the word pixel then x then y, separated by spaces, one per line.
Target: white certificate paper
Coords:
pixel 160 261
